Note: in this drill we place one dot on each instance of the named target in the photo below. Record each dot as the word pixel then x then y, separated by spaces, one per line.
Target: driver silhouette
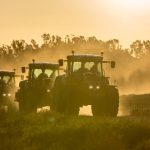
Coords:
pixel 43 75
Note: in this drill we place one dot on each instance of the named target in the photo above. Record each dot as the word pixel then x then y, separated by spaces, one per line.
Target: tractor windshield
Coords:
pixel 93 67
pixel 47 73
pixel 6 79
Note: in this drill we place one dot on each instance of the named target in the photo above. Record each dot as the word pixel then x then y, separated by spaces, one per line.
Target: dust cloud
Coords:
pixel 132 75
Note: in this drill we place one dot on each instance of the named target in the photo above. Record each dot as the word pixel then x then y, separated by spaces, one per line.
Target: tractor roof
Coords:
pixel 6 73
pixel 84 57
pixel 44 65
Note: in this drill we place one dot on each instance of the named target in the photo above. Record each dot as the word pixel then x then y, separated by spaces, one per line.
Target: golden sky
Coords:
pixel 126 20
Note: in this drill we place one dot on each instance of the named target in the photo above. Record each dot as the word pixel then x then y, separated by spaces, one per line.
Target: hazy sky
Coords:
pixel 124 19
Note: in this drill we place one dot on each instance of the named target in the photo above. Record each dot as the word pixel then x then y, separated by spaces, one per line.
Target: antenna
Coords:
pixel 102 53
pixel 33 60
pixel 73 52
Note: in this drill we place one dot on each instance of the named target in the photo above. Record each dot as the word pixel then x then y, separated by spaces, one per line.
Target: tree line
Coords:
pixel 17 48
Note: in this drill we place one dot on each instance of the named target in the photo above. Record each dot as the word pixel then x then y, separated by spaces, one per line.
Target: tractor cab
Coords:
pixel 44 72
pixel 87 66
pixel 35 69
pixel 35 91
pixel 7 77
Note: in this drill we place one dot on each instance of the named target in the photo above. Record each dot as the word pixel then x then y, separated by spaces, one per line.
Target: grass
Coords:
pixel 46 131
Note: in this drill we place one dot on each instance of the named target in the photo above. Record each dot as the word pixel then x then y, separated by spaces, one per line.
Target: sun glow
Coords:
pixel 133 4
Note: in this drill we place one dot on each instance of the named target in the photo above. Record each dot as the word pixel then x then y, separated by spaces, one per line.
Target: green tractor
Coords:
pixel 35 91
pixel 85 84
pixel 7 91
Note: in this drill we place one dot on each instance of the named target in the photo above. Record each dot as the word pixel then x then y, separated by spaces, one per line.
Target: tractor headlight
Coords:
pixel 91 87
pixel 9 94
pixel 97 87
pixel 4 94
pixel 48 90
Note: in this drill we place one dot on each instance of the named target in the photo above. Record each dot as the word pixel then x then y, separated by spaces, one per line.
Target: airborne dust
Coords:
pixel 131 75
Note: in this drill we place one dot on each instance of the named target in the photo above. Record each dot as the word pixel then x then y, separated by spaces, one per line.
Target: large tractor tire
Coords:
pixel 72 107
pixel 12 107
pixel 23 107
pixel 26 101
pixel 58 100
pixel 72 110
pixel 114 103
pixel 26 108
pixel 62 99
pixel 107 104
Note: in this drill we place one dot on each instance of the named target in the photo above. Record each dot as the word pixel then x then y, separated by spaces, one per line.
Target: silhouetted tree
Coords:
pixel 46 41
pixel 112 45
pixel 18 46
pixel 34 44
pixel 92 40
pixel 137 49
pixel 54 42
pixel 147 45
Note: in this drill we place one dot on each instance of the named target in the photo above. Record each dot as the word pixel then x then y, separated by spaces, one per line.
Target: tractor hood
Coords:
pixel 91 78
pixel 4 90
pixel 95 79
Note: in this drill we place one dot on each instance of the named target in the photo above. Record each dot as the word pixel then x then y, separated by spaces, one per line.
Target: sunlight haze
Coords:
pixel 126 20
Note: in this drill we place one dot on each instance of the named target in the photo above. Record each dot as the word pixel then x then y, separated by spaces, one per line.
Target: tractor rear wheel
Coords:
pixel 62 99
pixel 58 101
pixel 71 107
pixel 107 104
pixel 25 107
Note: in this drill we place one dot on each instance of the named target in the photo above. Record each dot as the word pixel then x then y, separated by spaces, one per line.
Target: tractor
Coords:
pixel 84 83
pixel 35 91
pixel 7 91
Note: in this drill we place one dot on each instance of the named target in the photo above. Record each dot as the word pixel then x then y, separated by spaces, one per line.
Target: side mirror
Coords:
pixel 22 77
pixel 23 69
pixel 113 64
pixel 61 62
